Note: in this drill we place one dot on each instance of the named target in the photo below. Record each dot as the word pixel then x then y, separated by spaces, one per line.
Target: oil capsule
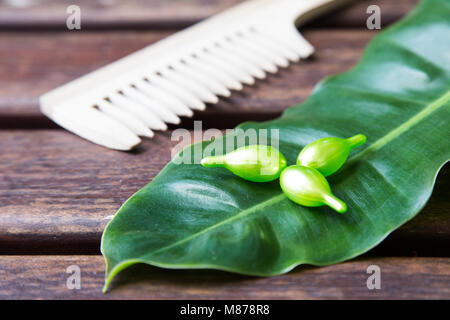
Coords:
pixel 308 187
pixel 257 163
pixel 327 155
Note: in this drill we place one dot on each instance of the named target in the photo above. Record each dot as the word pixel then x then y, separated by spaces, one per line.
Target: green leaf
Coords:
pixel 398 96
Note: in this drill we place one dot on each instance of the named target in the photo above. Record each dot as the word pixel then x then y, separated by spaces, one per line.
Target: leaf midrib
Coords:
pixel 391 135
pixel 246 212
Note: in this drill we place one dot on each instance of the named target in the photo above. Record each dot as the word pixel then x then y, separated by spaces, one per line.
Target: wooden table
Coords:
pixel 57 190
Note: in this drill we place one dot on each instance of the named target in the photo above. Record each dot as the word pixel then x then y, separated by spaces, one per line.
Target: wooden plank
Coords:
pixel 168 13
pixel 34 63
pixel 58 192
pixel 45 277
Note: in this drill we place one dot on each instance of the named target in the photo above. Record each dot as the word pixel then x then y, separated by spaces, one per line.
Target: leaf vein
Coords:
pixel 240 215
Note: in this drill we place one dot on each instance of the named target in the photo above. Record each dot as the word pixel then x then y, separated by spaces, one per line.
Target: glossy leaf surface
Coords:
pixel 398 96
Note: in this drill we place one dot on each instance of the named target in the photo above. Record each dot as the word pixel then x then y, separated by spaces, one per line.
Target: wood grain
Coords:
pixel 34 63
pixel 167 14
pixel 58 192
pixel 44 277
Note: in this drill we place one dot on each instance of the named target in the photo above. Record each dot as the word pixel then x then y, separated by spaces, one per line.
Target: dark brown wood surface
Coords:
pixel 168 13
pixel 36 277
pixel 58 191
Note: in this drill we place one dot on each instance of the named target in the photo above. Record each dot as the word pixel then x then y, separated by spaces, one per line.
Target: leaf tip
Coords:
pixel 106 285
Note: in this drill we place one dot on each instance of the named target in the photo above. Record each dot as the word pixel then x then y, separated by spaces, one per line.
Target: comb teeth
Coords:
pixel 168 80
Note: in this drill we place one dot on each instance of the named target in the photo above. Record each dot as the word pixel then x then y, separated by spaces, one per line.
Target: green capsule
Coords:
pixel 308 187
pixel 257 163
pixel 329 154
